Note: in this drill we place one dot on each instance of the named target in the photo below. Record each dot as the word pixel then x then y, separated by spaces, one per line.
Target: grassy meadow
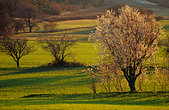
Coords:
pixel 35 86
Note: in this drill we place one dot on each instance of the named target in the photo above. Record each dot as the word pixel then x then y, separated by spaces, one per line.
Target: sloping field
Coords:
pixel 37 87
pixel 164 3
pixel 160 7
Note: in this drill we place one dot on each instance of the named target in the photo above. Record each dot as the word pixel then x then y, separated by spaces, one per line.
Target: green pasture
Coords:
pixel 70 24
pixel 34 86
pixel 67 89
pixel 84 53
pixel 77 34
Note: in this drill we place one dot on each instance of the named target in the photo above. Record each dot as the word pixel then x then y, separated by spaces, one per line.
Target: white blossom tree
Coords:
pixel 129 38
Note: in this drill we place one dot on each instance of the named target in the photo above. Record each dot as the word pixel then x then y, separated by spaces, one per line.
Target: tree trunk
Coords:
pixel 132 85
pixel 30 29
pixel 93 84
pixel 131 78
pixel 61 61
pixel 17 62
pixel 24 29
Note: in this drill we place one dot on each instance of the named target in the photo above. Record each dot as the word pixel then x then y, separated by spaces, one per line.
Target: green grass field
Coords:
pixel 81 52
pixel 66 25
pixel 34 86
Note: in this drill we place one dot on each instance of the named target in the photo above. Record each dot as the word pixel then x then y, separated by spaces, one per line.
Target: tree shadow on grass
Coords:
pixel 115 98
pixel 39 80
pixel 34 70
pixel 166 27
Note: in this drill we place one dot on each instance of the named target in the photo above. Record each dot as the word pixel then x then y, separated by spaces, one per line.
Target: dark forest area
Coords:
pixel 53 7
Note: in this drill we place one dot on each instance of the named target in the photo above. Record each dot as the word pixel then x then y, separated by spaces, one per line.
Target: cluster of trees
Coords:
pixel 16 15
pixel 126 39
pixel 14 47
pixel 54 7
pixel 27 13
pixel 17 47
pixel 43 6
pixel 4 18
pixel 86 3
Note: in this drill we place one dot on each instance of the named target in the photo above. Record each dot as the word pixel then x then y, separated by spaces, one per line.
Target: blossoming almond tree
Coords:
pixel 129 37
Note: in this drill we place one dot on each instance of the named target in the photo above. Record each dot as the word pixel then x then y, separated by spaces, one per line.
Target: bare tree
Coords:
pixel 111 76
pixel 129 38
pixel 94 78
pixel 16 48
pixel 58 47
pixel 29 13
pixel 49 26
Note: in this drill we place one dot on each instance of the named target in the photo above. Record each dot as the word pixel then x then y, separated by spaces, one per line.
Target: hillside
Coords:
pixel 157 7
pixel 83 81
pixel 164 3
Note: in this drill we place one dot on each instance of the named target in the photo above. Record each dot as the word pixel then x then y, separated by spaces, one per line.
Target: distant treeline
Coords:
pixel 80 2
pixel 54 7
